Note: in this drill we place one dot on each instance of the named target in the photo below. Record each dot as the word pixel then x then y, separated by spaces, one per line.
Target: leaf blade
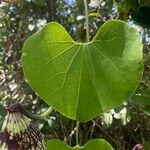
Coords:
pixel 76 77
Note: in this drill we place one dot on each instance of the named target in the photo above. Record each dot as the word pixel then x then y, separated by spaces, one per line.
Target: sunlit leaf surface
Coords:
pixel 97 144
pixel 82 80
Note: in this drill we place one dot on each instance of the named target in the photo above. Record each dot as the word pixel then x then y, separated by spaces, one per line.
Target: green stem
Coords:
pixel 41 117
pixel 77 132
pixel 88 40
pixel 87 20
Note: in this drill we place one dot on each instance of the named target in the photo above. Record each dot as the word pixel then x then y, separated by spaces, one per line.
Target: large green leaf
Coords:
pixel 82 80
pixel 96 144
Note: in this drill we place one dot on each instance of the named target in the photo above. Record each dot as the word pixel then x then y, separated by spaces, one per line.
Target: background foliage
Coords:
pixel 123 127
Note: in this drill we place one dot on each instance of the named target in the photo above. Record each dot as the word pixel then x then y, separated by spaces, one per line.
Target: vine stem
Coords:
pixel 86 20
pixel 77 132
pixel 21 109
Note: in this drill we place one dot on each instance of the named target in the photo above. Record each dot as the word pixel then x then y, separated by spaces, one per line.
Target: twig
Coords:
pixel 104 132
pixel 87 20
pixel 77 132
pixel 21 109
pixel 62 128
pixel 92 130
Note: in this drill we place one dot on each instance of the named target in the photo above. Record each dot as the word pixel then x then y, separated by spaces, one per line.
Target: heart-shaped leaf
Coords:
pixel 82 80
pixel 96 144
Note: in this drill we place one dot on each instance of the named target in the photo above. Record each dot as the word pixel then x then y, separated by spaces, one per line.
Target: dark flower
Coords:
pixel 18 133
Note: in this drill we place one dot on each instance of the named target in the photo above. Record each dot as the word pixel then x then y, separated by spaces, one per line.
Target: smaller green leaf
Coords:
pixel 140 99
pixel 96 144
pixel 57 144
